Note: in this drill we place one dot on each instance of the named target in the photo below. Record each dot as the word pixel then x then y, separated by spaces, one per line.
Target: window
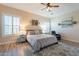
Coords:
pixel 11 25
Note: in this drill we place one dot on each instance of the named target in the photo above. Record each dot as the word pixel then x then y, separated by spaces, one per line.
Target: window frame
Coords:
pixel 3 29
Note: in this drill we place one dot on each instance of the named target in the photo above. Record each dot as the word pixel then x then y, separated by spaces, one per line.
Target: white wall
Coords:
pixel 69 33
pixel 25 19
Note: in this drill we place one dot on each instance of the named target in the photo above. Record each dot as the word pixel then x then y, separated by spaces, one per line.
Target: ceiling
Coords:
pixel 36 8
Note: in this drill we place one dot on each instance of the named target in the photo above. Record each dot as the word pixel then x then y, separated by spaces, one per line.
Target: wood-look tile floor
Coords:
pixel 15 49
pixel 24 49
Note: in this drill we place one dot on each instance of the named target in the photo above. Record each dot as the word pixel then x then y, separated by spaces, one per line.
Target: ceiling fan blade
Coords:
pixel 44 4
pixel 55 6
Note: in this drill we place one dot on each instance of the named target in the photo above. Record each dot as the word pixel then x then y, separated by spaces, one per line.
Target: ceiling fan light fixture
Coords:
pixel 49 9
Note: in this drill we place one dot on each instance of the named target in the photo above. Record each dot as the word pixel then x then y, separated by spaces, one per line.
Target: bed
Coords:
pixel 40 41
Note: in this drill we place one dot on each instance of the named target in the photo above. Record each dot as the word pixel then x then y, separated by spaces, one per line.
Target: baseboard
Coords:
pixel 71 42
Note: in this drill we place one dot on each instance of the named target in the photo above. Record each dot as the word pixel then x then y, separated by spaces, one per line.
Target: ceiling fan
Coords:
pixel 49 6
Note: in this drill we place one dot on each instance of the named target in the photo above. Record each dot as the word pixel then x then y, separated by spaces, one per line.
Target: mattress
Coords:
pixel 40 41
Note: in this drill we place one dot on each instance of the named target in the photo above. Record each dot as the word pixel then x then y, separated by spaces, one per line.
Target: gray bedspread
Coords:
pixel 40 41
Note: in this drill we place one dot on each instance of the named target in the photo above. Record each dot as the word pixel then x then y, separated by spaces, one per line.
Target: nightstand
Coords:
pixel 21 38
pixel 58 36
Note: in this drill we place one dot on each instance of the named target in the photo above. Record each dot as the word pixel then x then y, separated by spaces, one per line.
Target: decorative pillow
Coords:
pixel 35 32
pixel 40 31
pixel 31 33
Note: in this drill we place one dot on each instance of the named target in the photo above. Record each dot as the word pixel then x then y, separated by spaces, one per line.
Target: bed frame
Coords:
pixel 40 48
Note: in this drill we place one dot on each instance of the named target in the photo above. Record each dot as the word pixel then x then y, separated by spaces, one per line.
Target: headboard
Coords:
pixel 33 32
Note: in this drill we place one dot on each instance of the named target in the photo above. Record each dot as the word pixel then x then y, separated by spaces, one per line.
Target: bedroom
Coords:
pixel 63 20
